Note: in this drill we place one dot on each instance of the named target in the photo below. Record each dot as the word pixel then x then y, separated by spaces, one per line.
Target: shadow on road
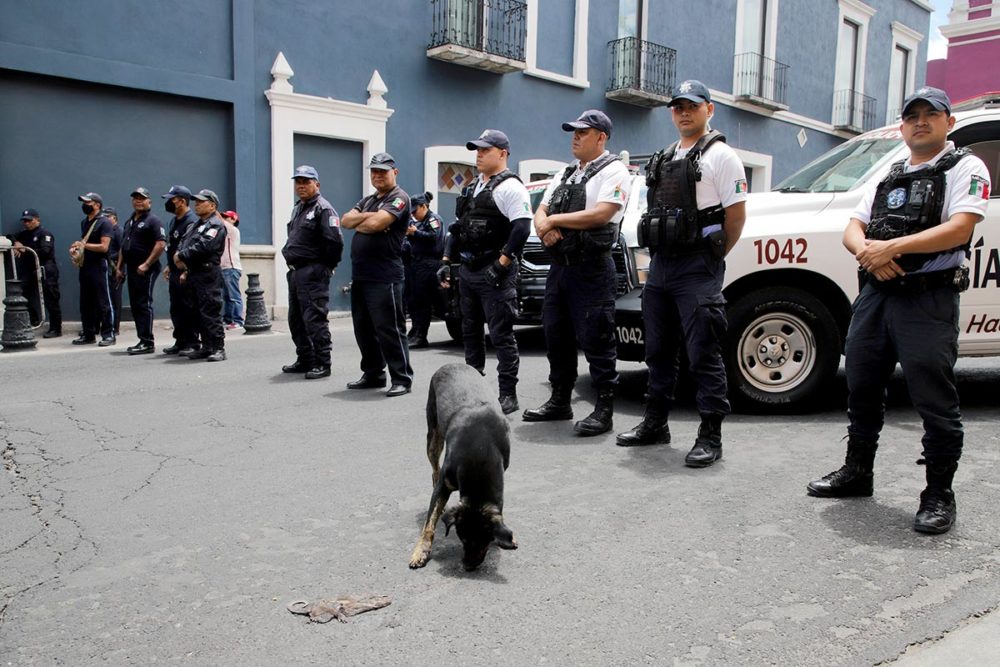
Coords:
pixel 867 521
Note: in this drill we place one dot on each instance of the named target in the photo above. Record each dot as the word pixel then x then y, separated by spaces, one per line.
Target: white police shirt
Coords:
pixel 611 184
pixel 967 188
pixel 511 197
pixel 723 179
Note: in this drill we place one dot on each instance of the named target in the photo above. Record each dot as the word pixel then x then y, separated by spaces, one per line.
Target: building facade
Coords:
pixel 231 94
pixel 973 34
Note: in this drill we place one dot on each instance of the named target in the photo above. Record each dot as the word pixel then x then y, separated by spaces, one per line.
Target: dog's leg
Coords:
pixel 435 445
pixel 422 552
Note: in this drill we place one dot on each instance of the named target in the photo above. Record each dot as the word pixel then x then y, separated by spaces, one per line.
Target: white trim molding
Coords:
pixel 973 27
pixel 435 155
pixel 720 97
pixel 294 113
pixel 924 4
pixel 860 14
pixel 579 77
pixel 760 168
pixel 909 39
pixel 525 168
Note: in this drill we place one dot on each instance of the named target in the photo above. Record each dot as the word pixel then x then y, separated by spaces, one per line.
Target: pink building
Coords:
pixel 973 34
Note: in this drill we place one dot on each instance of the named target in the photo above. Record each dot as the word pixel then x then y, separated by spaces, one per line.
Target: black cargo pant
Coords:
pixel 182 311
pixel 140 298
pixel 95 299
pixel 496 307
pixel 920 331
pixel 206 289
pixel 425 293
pixel 682 304
pixel 308 312
pixel 50 297
pixel 116 295
pixel 380 330
pixel 579 313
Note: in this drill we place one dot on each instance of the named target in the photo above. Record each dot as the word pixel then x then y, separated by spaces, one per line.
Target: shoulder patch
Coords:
pixel 398 203
pixel 741 186
pixel 48 239
pixel 212 232
pixel 334 220
pixel 435 224
pixel 979 187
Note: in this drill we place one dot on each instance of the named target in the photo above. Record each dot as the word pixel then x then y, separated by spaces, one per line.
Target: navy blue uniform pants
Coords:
pixel 308 311
pixel 116 297
pixel 206 287
pixel 682 305
pixel 380 330
pixel 920 331
pixel 95 300
pixel 182 311
pixel 425 293
pixel 579 313
pixel 50 296
pixel 496 307
pixel 140 299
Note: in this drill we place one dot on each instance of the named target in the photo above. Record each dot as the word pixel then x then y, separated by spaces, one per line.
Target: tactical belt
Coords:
pixel 915 283
pixel 573 259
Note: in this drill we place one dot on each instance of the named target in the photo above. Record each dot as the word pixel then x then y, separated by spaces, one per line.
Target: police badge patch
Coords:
pixel 896 198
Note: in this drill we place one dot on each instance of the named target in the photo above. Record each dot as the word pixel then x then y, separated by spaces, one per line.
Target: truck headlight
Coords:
pixel 640 257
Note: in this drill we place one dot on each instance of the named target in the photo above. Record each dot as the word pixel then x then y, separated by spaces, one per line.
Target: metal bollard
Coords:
pixel 256 318
pixel 17 331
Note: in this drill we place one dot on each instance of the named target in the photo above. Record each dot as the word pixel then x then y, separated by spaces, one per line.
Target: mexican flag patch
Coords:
pixel 741 186
pixel 397 204
pixel 979 187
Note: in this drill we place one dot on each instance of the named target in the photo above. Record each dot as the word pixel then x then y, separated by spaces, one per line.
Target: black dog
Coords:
pixel 462 412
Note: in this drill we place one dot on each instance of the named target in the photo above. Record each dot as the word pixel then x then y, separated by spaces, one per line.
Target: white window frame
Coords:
pixel 760 165
pixel 860 14
pixel 909 39
pixel 579 77
pixel 525 168
pixel 770 36
pixel 435 155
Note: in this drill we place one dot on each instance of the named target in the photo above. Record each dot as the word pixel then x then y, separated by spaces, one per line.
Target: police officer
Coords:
pixel 114 278
pixel 577 221
pixel 35 237
pixel 910 235
pixel 379 222
pixel 696 210
pixel 494 220
pixel 182 312
pixel 198 258
pixel 426 237
pixel 143 241
pixel 95 291
pixel 312 252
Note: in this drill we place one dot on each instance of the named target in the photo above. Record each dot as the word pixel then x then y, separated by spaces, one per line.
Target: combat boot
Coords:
pixel 652 430
pixel 937 511
pixel 556 408
pixel 708 445
pixel 599 421
pixel 854 478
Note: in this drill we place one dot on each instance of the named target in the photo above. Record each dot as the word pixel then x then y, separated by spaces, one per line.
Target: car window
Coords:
pixel 989 153
pixel 536 198
pixel 842 168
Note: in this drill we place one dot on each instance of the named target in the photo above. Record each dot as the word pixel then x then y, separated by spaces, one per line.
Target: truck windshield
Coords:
pixel 840 169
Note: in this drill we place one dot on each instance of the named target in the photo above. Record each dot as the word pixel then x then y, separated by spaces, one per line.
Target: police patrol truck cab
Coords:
pixel 790 282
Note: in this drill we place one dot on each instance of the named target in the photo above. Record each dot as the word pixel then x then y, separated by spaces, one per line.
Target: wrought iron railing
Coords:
pixel 490 26
pixel 641 65
pixel 853 111
pixel 760 77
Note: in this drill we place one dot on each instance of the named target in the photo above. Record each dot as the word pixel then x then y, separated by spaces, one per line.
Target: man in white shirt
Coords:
pixel 910 235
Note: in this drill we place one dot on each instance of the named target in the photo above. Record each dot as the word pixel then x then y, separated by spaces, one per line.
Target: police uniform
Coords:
pixel 377 293
pixel 913 320
pixel 96 313
pixel 426 247
pixel 313 250
pixel 114 248
pixel 201 250
pixel 182 309
pixel 43 243
pixel 140 234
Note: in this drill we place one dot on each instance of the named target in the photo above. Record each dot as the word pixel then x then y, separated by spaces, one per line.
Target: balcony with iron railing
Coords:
pixel 484 34
pixel 760 81
pixel 642 73
pixel 853 111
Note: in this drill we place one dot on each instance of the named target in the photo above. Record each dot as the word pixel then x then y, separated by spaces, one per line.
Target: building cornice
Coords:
pixel 923 4
pixel 973 27
pixel 721 97
pixel 906 31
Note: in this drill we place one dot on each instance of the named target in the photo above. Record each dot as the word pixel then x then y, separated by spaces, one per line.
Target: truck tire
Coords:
pixel 782 350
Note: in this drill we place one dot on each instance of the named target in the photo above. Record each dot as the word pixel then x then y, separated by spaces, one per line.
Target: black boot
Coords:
pixel 599 421
pixel 937 502
pixel 854 478
pixel 708 445
pixel 652 430
pixel 556 408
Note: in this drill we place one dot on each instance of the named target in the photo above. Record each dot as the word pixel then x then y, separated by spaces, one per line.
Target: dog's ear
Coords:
pixel 502 534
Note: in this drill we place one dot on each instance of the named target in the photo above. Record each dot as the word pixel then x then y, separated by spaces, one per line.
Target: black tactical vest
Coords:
pixel 580 244
pixel 482 228
pixel 672 221
pixel 908 203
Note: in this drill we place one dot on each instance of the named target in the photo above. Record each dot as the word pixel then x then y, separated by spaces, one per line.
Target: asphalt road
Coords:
pixel 164 510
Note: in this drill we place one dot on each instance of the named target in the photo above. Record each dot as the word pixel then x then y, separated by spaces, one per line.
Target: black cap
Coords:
pixel 382 161
pixel 489 138
pixel 305 171
pixel 29 214
pixel 92 196
pixel 692 90
pixel 422 199
pixel 936 97
pixel 177 191
pixel 206 195
pixel 110 210
pixel 594 118
pixel 140 192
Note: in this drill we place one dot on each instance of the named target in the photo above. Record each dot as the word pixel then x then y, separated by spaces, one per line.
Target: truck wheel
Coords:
pixel 782 350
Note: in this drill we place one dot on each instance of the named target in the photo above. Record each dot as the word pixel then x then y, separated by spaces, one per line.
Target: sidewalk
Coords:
pixel 975 643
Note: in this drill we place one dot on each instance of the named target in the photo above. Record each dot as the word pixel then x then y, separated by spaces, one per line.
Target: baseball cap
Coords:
pixel 382 161
pixel 140 192
pixel 232 214
pixel 936 97
pixel 489 138
pixel 305 171
pixel 109 210
pixel 92 196
pixel 594 118
pixel 177 191
pixel 206 195
pixel 692 90
pixel 29 214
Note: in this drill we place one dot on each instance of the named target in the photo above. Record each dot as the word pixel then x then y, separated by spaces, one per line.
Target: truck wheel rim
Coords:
pixel 777 352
